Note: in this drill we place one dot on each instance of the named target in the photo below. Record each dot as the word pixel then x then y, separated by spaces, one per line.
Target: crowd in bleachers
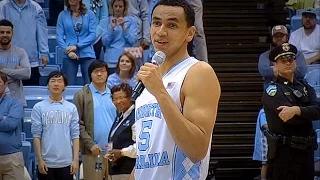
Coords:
pixel 304 34
pixel 49 57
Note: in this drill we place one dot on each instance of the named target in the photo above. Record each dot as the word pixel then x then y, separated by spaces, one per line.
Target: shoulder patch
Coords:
pixel 271 90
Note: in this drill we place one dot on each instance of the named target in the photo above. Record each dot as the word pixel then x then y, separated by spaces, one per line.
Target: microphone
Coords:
pixel 157 59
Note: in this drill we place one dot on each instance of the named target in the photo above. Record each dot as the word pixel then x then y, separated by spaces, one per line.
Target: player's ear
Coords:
pixel 191 32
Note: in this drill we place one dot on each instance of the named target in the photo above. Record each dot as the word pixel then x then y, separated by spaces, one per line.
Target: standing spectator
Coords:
pixel 30 32
pixel 11 113
pixel 97 114
pixel 306 38
pixel 260 144
pixel 279 35
pixel 125 71
pixel 140 10
pixel 76 32
pixel 55 129
pixel 120 31
pixel 122 156
pixel 13 61
pixel 101 10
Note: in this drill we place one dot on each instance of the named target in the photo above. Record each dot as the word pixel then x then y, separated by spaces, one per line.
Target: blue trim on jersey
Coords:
pixel 184 168
pixel 174 67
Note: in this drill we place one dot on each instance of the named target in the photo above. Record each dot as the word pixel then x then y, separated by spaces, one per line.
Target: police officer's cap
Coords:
pixel 285 49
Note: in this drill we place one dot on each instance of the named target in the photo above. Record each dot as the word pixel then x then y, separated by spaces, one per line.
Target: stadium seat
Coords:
pixel 45 71
pixel 26 150
pixel 59 55
pixel 34 94
pixel 70 92
pixel 313 74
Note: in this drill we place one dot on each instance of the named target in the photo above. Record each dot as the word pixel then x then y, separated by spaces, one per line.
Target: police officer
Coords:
pixel 290 108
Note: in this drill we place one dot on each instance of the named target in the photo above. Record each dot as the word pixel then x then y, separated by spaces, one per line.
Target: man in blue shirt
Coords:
pixel 11 113
pixel 97 114
pixel 55 129
pixel 30 33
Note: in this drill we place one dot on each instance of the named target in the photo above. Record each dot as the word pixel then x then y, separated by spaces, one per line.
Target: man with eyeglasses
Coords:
pixel 290 106
pixel 97 114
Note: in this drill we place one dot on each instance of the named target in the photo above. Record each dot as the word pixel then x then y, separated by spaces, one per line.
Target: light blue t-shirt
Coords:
pixel 114 79
pixel 260 145
pixel 104 115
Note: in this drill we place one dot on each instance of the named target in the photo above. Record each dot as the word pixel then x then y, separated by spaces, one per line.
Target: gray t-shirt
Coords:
pixel 15 64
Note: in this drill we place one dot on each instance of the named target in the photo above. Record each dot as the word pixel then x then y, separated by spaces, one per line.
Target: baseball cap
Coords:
pixel 309 11
pixel 279 29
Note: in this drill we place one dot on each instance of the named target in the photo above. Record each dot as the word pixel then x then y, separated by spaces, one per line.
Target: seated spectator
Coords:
pixel 120 31
pixel 279 35
pixel 76 31
pixel 125 72
pixel 14 62
pixel 30 33
pixel 101 10
pixel 306 38
pixel 55 129
pixel 11 113
pixel 122 135
pixel 261 145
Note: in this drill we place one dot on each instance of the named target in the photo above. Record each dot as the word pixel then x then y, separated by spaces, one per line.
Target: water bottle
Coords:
pixel 99 164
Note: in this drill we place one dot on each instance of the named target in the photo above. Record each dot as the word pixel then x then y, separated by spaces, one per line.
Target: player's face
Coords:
pixel 286 64
pixel 56 85
pixel 5 35
pixel 169 31
pixel 121 101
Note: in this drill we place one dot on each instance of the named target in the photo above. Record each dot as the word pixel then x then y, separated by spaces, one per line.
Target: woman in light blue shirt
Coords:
pixel 76 32
pixel 125 72
pixel 119 31
pixel 101 10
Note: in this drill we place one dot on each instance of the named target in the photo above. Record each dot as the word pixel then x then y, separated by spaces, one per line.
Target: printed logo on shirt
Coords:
pixel 56 117
pixel 9 60
pixel 170 85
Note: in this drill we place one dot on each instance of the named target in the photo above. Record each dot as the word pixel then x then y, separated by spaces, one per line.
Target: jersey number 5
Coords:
pixel 145 135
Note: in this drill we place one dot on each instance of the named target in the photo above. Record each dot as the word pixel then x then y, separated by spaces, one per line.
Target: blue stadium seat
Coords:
pixel 70 92
pixel 26 150
pixel 45 71
pixel 34 94
pixel 313 74
pixel 46 12
pixel 59 55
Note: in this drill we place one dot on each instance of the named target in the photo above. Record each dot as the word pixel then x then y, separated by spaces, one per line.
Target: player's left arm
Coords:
pixel 192 129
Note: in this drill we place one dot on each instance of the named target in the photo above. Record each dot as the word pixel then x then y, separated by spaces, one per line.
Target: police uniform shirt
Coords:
pixel 285 93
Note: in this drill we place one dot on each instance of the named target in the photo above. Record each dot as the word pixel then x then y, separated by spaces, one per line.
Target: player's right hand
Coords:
pixel 95 150
pixel 43 169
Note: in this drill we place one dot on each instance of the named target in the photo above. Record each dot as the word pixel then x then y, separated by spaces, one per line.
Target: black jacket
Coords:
pixel 122 138
pixel 281 92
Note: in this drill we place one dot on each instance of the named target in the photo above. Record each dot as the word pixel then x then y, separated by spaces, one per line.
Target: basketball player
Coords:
pixel 176 113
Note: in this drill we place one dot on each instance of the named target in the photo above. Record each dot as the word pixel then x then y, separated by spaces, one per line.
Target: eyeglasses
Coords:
pixel 97 71
pixel 120 98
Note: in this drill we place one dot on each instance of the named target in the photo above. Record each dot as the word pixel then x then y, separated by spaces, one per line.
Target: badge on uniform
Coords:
pixel 271 90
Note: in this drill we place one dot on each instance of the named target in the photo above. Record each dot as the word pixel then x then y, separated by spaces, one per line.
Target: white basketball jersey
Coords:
pixel 158 156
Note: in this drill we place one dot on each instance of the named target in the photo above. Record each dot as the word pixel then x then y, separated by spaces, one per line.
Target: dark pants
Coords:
pixel 56 174
pixel 97 49
pixel 55 7
pixel 291 164
pixel 34 79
